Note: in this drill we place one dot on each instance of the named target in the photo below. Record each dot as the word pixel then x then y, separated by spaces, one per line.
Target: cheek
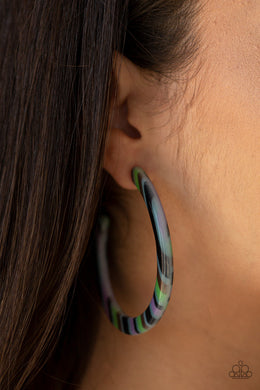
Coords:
pixel 223 132
pixel 230 54
pixel 213 161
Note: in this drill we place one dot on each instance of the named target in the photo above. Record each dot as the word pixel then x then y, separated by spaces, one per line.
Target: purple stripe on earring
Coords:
pixel 155 311
pixel 131 325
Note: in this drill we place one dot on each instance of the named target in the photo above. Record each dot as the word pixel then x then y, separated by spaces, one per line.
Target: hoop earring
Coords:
pixel 164 281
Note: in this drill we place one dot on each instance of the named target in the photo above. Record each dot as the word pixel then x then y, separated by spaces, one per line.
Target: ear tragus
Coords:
pixel 120 121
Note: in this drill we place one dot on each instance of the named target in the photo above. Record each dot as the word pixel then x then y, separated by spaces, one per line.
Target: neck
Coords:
pixel 212 319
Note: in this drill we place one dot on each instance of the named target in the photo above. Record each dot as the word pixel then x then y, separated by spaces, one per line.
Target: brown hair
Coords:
pixel 56 83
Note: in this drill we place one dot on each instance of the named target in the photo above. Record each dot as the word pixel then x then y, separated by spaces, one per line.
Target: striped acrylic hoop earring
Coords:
pixel 164 280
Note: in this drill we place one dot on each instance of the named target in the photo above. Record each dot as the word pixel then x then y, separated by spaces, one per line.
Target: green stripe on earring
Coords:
pixel 136 182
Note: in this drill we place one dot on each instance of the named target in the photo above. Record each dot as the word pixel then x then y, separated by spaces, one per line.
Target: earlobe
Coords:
pixel 120 158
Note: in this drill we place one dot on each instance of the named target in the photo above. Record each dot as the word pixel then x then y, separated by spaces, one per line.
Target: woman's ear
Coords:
pixel 123 138
pixel 140 123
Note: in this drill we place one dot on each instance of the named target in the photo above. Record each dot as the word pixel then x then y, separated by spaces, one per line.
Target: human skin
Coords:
pixel 199 144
